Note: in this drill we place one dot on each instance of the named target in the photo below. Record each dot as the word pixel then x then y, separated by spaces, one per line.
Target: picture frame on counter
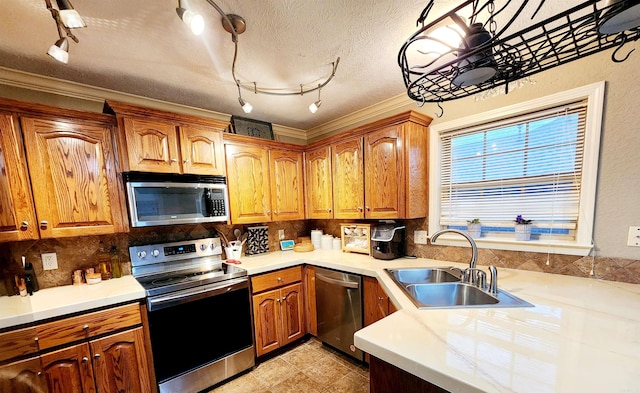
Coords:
pixel 251 127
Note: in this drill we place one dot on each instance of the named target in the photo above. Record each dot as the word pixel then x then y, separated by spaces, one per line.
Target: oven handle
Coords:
pixel 160 302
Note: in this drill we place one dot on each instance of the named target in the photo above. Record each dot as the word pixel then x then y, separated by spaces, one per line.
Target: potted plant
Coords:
pixel 474 227
pixel 523 228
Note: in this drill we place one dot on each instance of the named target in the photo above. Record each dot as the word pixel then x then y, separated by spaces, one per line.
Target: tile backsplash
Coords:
pixel 79 252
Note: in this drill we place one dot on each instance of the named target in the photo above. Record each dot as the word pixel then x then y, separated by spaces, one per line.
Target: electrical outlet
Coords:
pixel 49 261
pixel 633 239
pixel 281 234
pixel 420 237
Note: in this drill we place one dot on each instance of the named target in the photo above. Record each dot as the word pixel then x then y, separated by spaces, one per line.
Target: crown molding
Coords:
pixel 46 84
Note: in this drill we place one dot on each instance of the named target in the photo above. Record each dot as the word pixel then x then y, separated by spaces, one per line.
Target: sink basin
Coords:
pixel 422 275
pixel 458 294
pixel 440 287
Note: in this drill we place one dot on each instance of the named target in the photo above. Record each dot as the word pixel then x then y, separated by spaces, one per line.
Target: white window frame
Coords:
pixel 583 243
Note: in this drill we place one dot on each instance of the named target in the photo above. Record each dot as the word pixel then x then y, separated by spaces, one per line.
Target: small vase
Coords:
pixel 475 230
pixel 523 232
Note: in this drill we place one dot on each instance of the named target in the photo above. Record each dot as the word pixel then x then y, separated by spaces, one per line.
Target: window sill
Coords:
pixel 543 246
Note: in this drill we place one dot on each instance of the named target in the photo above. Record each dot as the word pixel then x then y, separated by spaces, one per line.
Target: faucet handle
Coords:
pixel 476 277
pixel 493 282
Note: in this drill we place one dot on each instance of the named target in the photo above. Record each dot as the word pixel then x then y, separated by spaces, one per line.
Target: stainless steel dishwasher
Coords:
pixel 339 309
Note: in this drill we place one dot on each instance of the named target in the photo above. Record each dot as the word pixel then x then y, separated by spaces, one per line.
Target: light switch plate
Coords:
pixel 420 237
pixel 49 261
pixel 634 237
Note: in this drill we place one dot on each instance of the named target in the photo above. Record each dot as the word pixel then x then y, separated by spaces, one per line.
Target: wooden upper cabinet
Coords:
pixel 248 181
pixel 17 215
pixel 287 193
pixel 202 151
pixel 73 165
pixel 348 180
pixel 319 189
pixel 152 146
pixel 384 173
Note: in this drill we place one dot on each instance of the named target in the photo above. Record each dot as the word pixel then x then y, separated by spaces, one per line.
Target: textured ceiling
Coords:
pixel 142 47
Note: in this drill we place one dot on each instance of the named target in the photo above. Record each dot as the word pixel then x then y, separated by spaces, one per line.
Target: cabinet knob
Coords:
pixel 85 359
pixel 44 224
pixel 278 299
pixel 279 278
pixel 367 207
pixel 284 298
pixel 268 212
pixel 39 373
pixel 85 327
pixel 24 225
pixel 329 210
pixel 186 160
pixel 359 208
pixel 275 212
pixel 174 160
pixel 96 356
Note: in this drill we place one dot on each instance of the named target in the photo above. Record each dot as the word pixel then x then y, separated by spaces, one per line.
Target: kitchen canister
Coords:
pixel 316 238
pixel 327 242
pixel 337 243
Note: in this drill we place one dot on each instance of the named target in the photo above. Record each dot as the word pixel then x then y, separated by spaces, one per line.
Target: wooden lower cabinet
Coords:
pixel 387 378
pixel 377 304
pixel 278 317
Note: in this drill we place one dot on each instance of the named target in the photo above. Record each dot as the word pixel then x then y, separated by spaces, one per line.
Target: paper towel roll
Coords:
pixel 316 238
pixel 327 242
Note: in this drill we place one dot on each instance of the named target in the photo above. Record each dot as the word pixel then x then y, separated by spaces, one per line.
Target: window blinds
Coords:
pixel 530 165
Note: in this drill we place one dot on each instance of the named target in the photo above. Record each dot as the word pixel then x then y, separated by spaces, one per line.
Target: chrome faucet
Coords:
pixel 474 247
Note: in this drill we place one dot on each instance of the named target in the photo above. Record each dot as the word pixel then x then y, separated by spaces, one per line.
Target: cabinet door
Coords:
pixel 69 370
pixel 319 190
pixel 248 181
pixel 202 151
pixel 119 363
pixel 17 215
pixel 384 174
pixel 292 303
pixel 24 376
pixel 311 317
pixel 287 194
pixel 152 146
pixel 348 185
pixel 72 165
pixel 268 321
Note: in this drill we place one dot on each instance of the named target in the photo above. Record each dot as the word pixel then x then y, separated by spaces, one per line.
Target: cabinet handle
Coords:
pixel 24 225
pixel 44 224
pixel 85 359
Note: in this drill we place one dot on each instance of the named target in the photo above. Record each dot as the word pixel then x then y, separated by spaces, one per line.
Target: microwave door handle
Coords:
pixel 346 284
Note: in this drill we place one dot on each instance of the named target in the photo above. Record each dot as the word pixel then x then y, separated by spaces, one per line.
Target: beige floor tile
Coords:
pixel 273 371
pixel 350 383
pixel 326 370
pixel 297 383
pixel 243 384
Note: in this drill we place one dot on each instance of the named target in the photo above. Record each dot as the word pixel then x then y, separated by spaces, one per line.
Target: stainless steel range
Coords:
pixel 199 312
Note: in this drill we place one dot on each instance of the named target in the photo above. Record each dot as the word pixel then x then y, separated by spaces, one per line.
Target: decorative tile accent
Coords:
pixel 257 240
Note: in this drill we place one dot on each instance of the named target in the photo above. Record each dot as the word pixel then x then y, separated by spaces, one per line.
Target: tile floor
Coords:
pixel 309 367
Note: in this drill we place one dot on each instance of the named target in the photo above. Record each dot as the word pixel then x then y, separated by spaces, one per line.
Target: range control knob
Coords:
pixel 203 247
pixel 142 254
pixel 212 246
pixel 155 253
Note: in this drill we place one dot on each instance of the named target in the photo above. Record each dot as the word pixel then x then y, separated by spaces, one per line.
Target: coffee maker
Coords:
pixel 387 241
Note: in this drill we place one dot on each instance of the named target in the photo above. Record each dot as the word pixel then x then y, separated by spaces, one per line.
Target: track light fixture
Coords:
pixel 190 18
pixel 313 108
pixel 66 18
pixel 236 25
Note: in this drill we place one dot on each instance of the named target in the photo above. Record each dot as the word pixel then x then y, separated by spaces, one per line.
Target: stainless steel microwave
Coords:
pixel 165 199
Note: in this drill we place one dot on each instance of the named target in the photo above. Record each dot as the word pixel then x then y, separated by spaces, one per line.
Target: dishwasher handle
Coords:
pixel 346 284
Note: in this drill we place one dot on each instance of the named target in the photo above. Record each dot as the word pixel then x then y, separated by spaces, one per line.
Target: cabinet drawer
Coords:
pixel 17 343
pixel 276 279
pixel 88 325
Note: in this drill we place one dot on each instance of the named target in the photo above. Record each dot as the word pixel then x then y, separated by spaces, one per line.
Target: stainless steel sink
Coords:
pixel 423 275
pixel 430 288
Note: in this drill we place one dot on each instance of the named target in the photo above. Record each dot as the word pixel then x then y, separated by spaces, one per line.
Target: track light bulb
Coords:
pixel 70 17
pixel 60 50
pixel 313 108
pixel 246 107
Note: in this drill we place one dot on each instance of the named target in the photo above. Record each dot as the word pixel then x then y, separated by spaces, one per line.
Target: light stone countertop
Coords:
pixel 583 335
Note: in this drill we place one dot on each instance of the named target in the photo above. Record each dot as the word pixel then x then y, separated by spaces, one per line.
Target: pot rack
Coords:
pixel 565 37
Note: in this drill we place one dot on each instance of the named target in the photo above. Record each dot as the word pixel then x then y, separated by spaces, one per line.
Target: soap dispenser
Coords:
pixel 30 276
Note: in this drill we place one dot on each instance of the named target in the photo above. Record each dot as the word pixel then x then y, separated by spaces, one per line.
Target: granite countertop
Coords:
pixel 583 335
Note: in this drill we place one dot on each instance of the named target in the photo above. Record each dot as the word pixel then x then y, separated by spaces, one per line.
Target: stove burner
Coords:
pixel 168 280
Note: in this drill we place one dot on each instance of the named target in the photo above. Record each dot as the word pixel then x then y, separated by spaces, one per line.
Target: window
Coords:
pixel 537 159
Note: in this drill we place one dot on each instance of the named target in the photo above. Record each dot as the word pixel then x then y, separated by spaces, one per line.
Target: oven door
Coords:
pixel 198 326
